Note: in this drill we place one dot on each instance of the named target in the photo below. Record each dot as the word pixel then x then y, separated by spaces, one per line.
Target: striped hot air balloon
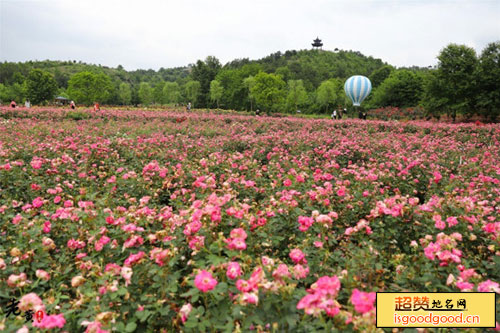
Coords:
pixel 357 87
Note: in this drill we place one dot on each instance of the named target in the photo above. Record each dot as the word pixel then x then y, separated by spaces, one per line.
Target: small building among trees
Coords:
pixel 60 100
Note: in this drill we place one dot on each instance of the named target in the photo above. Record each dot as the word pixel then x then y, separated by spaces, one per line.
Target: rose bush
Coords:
pixel 136 221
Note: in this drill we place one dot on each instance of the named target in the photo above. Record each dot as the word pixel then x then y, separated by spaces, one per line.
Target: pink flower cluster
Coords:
pixel 298 256
pixel 362 301
pixel 322 297
pixel 134 258
pixel 252 284
pixel 305 223
pixel 160 256
pixel 444 248
pixel 50 321
pixel 236 239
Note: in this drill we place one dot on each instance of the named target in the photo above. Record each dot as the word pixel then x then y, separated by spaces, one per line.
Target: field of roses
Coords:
pixel 396 113
pixel 170 221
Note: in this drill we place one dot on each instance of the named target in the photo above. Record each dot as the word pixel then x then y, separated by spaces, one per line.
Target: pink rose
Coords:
pixel 298 256
pixel 363 302
pixel 43 275
pixel 204 281
pixel 233 270
pixel 49 322
pixel 37 202
pixel 238 233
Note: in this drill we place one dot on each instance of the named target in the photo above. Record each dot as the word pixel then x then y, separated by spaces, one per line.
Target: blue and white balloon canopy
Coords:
pixel 357 87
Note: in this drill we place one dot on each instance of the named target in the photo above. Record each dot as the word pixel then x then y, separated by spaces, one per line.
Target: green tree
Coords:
pixel 284 72
pixel 297 94
pixel 61 78
pixel 145 93
pixel 87 87
pixel 380 74
pixel 3 94
pixel 18 78
pixel 327 94
pixel 171 92
pixel 125 93
pixel 40 86
pixel 269 91
pixel 434 99
pixel 402 88
pixel 452 88
pixel 488 78
pixel 248 83
pixel 216 91
pixel 158 96
pixel 204 72
pixel 14 92
pixel 235 95
pixel 192 89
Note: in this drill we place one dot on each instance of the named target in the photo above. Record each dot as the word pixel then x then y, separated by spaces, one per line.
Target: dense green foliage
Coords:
pixel 297 94
pixel 269 91
pixel 488 98
pixel 330 93
pixel 461 84
pixel 204 72
pixel 401 88
pixel 216 91
pixel 87 87
pixel 145 93
pixel 192 91
pixel 40 86
pixel 453 84
pixel 171 93
pixel 125 93
pixel 379 75
pixel 464 84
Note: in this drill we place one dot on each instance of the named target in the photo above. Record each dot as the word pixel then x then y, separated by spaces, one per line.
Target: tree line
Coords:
pixel 462 83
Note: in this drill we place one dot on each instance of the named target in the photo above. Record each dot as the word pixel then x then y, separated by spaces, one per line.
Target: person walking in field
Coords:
pixel 340 113
pixel 13 104
pixel 97 107
pixel 27 104
pixel 72 105
pixel 334 114
pixel 189 106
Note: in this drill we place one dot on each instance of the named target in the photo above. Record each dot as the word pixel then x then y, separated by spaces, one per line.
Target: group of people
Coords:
pixel 27 104
pixel 339 112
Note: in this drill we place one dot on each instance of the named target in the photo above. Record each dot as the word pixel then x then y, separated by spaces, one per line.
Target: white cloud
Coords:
pixel 153 34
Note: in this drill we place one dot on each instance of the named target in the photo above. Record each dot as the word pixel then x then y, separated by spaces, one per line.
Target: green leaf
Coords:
pixel 120 327
pixel 172 287
pixel 222 287
pixel 131 327
pixel 122 291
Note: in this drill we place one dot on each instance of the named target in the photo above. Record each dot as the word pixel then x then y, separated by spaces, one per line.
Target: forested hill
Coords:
pixel 311 66
pixel 314 66
pixel 63 70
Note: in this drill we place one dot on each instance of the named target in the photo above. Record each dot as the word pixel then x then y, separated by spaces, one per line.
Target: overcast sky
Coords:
pixel 152 34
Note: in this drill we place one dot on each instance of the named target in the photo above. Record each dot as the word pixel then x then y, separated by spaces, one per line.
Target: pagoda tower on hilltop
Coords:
pixel 317 44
